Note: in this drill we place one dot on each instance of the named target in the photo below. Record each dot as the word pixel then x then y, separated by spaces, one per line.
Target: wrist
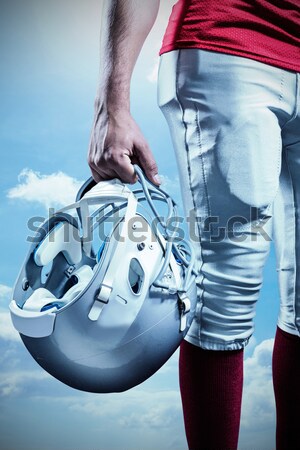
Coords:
pixel 112 109
pixel 112 105
pixel 117 98
pixel 117 109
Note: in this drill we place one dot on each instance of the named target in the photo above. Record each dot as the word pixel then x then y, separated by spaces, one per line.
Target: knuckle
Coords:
pixel 97 160
pixel 110 157
pixel 91 164
pixel 90 158
pixel 115 157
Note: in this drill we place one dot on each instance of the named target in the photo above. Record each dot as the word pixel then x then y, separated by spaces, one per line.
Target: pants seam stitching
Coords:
pixel 202 159
pixel 294 246
pixel 201 299
pixel 295 110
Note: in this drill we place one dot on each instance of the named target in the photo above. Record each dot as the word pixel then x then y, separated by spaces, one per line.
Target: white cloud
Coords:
pixel 171 366
pixel 143 409
pixel 137 408
pixel 52 191
pixel 13 383
pixel 148 409
pixel 149 58
pixel 5 291
pixel 7 331
pixel 250 347
pixel 145 418
pixel 172 186
pixel 258 411
pixel 59 189
pixel 163 409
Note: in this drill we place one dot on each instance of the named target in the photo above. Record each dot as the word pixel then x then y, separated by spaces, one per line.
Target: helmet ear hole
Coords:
pixel 136 276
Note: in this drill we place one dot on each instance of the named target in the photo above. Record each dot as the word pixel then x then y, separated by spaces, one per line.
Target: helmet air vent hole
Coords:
pixel 136 276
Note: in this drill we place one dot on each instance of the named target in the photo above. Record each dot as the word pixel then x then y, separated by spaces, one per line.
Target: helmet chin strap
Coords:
pixel 171 246
pixel 171 204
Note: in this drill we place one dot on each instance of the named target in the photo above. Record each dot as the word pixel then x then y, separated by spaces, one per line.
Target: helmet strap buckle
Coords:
pixel 184 308
pixel 101 300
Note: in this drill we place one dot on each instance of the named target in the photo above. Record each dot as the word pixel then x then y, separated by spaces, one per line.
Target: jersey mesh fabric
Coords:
pixel 264 30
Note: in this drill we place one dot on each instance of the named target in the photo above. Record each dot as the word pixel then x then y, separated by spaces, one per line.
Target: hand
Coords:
pixel 116 144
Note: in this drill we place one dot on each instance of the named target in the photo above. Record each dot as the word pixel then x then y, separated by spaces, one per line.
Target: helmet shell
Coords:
pixel 138 328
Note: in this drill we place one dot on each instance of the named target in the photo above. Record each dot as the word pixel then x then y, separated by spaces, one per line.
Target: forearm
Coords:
pixel 124 28
pixel 116 141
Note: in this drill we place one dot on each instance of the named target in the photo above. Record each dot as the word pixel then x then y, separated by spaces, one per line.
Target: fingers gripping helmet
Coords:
pixel 107 292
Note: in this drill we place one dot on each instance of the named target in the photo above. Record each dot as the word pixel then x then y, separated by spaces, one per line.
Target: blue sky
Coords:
pixel 49 72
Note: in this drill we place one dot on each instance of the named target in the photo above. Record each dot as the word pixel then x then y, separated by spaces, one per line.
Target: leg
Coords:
pixel 211 385
pixel 224 114
pixel 229 169
pixel 286 375
pixel 286 355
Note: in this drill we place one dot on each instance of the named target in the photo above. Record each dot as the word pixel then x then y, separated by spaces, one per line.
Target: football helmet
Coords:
pixel 107 291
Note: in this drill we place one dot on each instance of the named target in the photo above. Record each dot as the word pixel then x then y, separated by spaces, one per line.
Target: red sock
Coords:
pixel 211 391
pixel 286 377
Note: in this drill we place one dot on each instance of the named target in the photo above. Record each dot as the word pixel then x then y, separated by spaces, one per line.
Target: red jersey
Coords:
pixel 264 30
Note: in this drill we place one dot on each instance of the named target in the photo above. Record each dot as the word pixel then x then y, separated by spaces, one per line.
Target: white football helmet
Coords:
pixel 107 291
